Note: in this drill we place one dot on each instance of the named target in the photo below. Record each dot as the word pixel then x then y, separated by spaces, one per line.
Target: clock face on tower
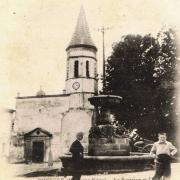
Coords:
pixel 75 85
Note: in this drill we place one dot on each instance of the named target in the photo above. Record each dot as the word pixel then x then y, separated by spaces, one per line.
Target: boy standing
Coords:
pixel 162 151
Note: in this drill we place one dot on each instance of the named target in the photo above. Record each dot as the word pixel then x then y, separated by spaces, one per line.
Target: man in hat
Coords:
pixel 77 156
pixel 162 151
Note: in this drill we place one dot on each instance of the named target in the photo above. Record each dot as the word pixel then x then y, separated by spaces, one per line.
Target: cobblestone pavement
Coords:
pixel 16 172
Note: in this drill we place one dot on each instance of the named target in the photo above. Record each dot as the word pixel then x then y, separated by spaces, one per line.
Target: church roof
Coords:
pixel 45 96
pixel 81 36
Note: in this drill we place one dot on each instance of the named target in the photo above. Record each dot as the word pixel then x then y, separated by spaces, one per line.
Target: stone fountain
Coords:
pixel 109 147
pixel 104 137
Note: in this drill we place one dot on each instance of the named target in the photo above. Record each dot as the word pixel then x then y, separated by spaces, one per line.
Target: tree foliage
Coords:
pixel 141 69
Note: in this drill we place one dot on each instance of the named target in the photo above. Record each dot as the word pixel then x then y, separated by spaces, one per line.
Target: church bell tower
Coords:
pixel 81 77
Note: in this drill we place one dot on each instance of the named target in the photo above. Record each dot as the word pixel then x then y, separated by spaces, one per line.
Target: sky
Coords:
pixel 35 33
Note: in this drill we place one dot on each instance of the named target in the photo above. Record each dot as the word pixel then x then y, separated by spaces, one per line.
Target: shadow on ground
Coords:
pixel 53 172
pixel 57 172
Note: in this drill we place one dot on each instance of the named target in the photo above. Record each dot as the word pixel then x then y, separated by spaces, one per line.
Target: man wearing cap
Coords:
pixel 162 151
pixel 77 156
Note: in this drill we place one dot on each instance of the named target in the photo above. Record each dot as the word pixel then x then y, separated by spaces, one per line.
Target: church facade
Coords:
pixel 47 124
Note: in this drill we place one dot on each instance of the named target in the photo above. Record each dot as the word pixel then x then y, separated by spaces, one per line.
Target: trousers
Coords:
pixel 162 170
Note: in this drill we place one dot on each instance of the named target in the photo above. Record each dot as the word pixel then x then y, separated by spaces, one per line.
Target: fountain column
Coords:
pixel 103 139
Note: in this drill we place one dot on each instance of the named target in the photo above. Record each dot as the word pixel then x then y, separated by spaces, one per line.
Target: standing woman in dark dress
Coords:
pixel 77 156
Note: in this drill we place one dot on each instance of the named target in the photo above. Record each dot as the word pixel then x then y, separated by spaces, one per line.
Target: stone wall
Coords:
pixel 45 113
pixel 77 120
pixel 80 100
pixel 6 120
pixel 55 115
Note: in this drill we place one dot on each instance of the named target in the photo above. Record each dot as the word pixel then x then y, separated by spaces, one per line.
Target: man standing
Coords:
pixel 77 156
pixel 162 151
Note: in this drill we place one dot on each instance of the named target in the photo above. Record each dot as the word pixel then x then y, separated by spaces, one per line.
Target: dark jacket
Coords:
pixel 77 153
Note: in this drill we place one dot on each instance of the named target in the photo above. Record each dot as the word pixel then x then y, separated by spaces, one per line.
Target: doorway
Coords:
pixel 38 151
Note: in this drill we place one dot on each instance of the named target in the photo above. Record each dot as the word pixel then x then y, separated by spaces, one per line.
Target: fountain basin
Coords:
pixel 109 164
pixel 109 147
pixel 105 100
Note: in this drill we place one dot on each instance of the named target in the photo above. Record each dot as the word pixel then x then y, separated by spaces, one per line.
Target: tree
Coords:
pixel 141 69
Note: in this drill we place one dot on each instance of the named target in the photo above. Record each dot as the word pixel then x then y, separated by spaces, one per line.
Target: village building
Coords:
pixel 7 117
pixel 48 123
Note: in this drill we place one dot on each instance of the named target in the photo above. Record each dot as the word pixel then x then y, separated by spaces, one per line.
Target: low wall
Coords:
pixel 111 164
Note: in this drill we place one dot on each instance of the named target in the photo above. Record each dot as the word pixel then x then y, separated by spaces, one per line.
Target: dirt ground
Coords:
pixel 43 172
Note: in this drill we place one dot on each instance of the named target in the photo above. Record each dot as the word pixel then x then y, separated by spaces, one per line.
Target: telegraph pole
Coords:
pixel 102 30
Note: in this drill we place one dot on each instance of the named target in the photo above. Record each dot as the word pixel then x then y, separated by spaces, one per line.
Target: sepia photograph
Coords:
pixel 89 90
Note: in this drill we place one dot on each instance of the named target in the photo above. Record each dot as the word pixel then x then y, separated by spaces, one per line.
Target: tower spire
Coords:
pixel 81 36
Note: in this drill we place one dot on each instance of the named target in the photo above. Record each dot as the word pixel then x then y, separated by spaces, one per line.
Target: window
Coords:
pixel 95 70
pixel 67 70
pixel 87 68
pixel 76 69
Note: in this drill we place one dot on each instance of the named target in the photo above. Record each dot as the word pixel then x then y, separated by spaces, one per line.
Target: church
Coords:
pixel 46 124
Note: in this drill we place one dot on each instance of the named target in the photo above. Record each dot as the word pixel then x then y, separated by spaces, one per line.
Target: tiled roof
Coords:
pixel 81 35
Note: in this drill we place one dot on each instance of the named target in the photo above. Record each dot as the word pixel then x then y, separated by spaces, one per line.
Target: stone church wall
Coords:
pixel 76 120
pixel 45 113
pixel 40 112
